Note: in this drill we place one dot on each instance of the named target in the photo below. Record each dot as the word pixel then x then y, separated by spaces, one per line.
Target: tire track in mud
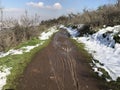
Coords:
pixel 73 72
pixel 60 66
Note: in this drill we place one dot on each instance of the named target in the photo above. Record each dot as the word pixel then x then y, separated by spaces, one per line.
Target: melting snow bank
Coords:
pixel 73 32
pixel 103 48
pixel 3 75
pixel 48 34
pixel 19 51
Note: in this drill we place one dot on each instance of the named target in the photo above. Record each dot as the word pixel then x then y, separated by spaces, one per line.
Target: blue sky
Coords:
pixel 47 9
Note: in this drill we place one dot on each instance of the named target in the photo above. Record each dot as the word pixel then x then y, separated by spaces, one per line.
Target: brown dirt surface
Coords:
pixel 59 66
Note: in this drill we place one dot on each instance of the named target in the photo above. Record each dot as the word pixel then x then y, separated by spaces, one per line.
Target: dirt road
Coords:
pixel 60 66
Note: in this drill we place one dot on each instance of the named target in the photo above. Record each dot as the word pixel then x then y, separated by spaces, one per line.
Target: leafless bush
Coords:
pixel 104 15
pixel 27 21
pixel 10 22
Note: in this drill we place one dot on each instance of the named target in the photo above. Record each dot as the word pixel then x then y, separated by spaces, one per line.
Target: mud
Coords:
pixel 59 66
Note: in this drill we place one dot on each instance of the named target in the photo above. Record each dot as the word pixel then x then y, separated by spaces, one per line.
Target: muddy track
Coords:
pixel 60 66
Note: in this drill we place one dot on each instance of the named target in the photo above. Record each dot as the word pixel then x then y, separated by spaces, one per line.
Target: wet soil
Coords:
pixel 59 66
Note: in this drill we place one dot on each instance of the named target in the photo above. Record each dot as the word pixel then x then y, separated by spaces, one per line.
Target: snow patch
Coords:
pixel 43 36
pixel 48 34
pixel 3 76
pixel 6 71
pixel 103 48
pixel 73 32
pixel 19 51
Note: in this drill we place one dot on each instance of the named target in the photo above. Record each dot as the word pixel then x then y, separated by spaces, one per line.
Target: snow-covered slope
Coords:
pixel 104 49
pixel 106 36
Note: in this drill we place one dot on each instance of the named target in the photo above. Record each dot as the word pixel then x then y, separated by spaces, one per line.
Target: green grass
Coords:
pixel 31 42
pixel 105 74
pixel 19 62
pixel 81 47
pixel 114 85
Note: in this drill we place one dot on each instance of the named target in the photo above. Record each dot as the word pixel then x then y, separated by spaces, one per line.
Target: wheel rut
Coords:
pixel 59 66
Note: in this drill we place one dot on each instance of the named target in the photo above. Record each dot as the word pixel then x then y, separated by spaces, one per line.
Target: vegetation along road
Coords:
pixel 59 66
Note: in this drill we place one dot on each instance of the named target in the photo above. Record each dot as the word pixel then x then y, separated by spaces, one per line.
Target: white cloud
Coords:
pixel 55 6
pixel 39 4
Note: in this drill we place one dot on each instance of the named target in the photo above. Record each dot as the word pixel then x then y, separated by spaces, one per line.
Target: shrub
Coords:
pixel 117 38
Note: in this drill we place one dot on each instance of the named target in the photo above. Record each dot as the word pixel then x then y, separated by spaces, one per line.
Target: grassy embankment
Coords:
pixel 19 62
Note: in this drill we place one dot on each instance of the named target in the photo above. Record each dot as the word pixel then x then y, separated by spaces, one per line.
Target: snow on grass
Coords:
pixel 3 75
pixel 73 32
pixel 48 34
pixel 6 71
pixel 43 36
pixel 19 51
pixel 103 48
